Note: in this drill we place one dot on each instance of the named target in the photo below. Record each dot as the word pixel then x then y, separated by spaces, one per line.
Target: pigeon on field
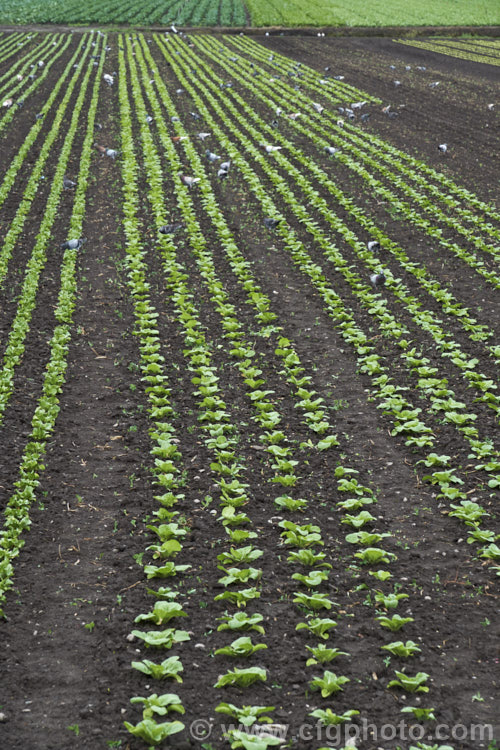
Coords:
pixel 443 147
pixel 189 181
pixel 338 78
pixel 112 153
pixel 109 79
pixel 392 67
pixel 318 107
pixel 225 166
pixel 377 279
pixel 407 67
pixel 202 136
pixel 39 116
pixel 41 63
pixel 171 228
pixel 173 29
pixel 421 67
pixel 67 183
pixel 373 245
pixel 149 119
pixel 73 244
pixel 195 115
pixel 278 111
pixel 271 223
pixel 269 149
pixel 365 117
pixel 177 138
pixel 327 68
pixel 357 105
pixel 434 84
pixel 7 103
pixel 340 123
pixel 331 150
pixel 179 91
pixel 491 106
pixel 397 83
pixel 211 156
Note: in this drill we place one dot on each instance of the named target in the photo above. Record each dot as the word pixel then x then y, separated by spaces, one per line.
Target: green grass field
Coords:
pixel 287 13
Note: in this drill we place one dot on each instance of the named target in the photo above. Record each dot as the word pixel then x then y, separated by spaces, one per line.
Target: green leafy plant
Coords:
pixel 154 733
pixel 168 668
pixel 415 684
pixel 318 626
pixel 246 715
pixel 328 718
pixel 329 684
pixel 242 677
pixel 242 646
pixel 159 704
pixel 398 648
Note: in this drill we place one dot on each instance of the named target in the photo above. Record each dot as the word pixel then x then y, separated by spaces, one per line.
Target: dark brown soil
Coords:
pixel 64 685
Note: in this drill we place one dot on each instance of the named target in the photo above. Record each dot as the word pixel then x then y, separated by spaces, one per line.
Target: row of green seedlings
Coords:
pixel 17 162
pixel 442 295
pixel 334 135
pixel 167 461
pixel 226 462
pixel 311 601
pixel 453 51
pixel 22 66
pixel 372 299
pixel 391 395
pixel 17 510
pixel 446 190
pixel 308 400
pixel 27 86
pixel 11 44
pixel 15 347
pixel 26 67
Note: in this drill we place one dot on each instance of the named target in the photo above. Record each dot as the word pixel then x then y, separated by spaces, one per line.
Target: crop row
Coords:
pixel 17 510
pixel 465 50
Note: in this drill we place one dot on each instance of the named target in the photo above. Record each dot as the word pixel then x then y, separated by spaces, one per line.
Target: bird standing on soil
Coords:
pixel 211 156
pixel 271 223
pixel 269 149
pixel 318 107
pixel 331 150
pixel 373 245
pixel 189 181
pixel 67 183
pixel 443 147
pixel 202 136
pixel 171 228
pixel 109 79
pixel 73 244
pixel 224 169
pixel 377 279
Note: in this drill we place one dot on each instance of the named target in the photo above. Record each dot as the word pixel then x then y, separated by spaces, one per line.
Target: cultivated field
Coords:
pixel 253 12
pixel 249 312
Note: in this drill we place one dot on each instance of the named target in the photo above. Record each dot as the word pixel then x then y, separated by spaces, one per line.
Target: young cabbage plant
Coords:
pixel 162 612
pixel 242 646
pixel 162 638
pixel 168 668
pixel 315 601
pixel 240 598
pixel 328 718
pixel 396 622
pixel 153 733
pixel 321 654
pixel 242 621
pixel 242 677
pixel 329 684
pixel 159 704
pixel 415 684
pixel 420 714
pixel 309 558
pixel 245 741
pixel 398 648
pixel 318 626
pixel 246 715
